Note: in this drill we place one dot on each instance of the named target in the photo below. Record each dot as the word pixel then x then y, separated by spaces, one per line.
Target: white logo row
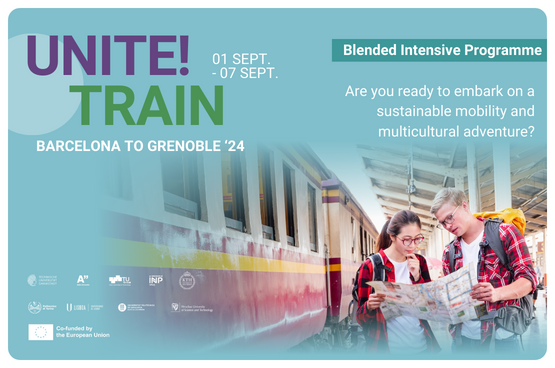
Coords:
pixel 185 281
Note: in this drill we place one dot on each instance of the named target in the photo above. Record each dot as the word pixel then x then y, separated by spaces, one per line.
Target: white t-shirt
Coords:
pixel 472 329
pixel 405 334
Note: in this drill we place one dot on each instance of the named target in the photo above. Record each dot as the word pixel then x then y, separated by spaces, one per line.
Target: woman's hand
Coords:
pixel 414 266
pixel 374 301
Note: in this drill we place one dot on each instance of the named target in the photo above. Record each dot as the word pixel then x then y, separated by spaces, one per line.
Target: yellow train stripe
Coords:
pixel 338 267
pixel 335 267
pixel 118 252
pixel 332 193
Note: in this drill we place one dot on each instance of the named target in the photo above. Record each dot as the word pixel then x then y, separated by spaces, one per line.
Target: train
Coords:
pixel 226 251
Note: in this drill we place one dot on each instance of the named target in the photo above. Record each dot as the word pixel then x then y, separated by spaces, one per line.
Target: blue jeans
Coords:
pixel 510 345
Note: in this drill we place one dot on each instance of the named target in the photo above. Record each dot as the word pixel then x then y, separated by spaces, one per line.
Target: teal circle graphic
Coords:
pixel 39 104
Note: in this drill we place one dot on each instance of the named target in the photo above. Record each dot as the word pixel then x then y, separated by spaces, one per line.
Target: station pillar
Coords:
pixel 473 179
pixel 502 175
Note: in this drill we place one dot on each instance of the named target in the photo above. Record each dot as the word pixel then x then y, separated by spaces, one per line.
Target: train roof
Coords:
pixel 307 161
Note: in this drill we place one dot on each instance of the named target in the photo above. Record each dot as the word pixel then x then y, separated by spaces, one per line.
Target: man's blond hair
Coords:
pixel 447 195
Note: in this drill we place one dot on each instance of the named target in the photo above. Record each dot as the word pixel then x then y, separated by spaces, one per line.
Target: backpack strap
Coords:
pixel 452 255
pixel 378 268
pixel 354 292
pixel 491 229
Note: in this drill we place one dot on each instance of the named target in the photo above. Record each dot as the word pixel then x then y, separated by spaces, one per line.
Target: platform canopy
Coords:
pixel 432 167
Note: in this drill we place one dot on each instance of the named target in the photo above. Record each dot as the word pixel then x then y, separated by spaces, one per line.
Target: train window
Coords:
pixel 289 205
pixel 361 244
pixel 266 193
pixel 354 235
pixel 117 176
pixel 180 182
pixel 366 243
pixel 312 217
pixel 233 195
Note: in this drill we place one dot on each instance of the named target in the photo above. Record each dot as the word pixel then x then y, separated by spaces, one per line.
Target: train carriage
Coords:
pixel 230 250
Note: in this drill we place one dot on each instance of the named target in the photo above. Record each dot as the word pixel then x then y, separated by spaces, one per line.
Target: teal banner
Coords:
pixel 386 50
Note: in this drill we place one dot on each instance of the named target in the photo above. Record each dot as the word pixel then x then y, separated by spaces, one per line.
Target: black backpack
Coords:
pixel 512 318
pixel 378 272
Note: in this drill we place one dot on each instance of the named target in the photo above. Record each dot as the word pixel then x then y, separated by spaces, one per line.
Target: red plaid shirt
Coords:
pixel 492 271
pixel 373 322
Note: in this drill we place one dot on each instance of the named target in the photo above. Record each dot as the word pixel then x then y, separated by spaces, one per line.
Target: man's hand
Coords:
pixel 484 292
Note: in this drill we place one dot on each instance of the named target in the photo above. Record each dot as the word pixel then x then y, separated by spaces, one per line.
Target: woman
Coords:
pixel 408 335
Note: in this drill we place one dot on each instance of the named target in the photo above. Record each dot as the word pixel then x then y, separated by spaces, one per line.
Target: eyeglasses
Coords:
pixel 417 240
pixel 448 220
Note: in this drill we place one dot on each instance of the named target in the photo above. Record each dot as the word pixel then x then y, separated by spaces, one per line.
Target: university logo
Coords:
pixel 120 281
pixel 32 280
pixel 122 307
pixel 42 280
pixel 81 280
pixel 153 280
pixel 34 307
pixel 175 307
pixel 187 281
pixel 41 332
pixel 69 307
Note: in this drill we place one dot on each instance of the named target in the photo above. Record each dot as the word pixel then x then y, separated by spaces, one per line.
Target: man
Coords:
pixel 496 286
pixel 540 279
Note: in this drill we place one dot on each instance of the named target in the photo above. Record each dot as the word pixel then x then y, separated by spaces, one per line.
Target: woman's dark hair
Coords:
pixel 394 225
